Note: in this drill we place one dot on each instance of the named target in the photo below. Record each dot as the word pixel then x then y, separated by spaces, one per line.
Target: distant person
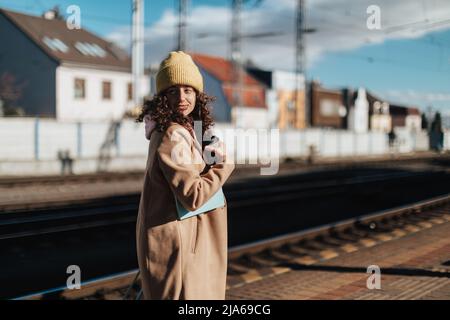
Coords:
pixel 392 138
pixel 181 259
pixel 66 162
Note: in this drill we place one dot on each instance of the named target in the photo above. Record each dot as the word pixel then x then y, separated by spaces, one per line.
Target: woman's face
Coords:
pixel 182 98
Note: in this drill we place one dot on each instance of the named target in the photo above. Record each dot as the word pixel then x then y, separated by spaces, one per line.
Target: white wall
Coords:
pixel 93 106
pixel 446 144
pixel 29 146
pixel 297 143
pixel 17 138
pixel 41 139
pixel 53 136
pixel 413 122
pixel 408 140
pixel 247 117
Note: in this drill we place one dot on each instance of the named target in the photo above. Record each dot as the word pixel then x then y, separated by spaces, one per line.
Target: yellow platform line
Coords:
pixel 437 220
pixel 328 254
pixel 367 242
pixel 349 248
pixel 399 232
pixel 412 228
pixel 280 270
pixel 383 237
pixel 251 276
pixel 307 260
pixel 425 225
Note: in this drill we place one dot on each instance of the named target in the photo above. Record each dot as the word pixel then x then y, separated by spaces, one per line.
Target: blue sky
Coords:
pixel 409 66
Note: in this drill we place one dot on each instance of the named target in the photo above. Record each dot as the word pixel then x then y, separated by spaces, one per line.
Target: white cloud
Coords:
pixel 340 24
pixel 412 95
pixel 439 101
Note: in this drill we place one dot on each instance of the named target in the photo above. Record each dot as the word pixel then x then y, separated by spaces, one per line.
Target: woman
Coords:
pixel 181 259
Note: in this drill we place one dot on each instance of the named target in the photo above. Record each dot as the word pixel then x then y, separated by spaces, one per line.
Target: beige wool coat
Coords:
pixel 181 259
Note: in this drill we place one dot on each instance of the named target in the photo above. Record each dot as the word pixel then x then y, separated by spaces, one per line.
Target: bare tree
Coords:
pixel 10 93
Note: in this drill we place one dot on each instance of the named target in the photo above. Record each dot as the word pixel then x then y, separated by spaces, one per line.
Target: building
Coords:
pixel 379 115
pixel 406 117
pixel 285 102
pixel 358 113
pixel 64 74
pixel 218 77
pixel 327 108
pixel 445 121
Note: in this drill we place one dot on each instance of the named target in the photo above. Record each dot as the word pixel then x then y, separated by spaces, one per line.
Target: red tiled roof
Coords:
pixel 413 111
pixel 252 97
pixel 221 68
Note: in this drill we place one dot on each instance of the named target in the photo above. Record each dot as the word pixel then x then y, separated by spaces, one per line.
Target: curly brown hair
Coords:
pixel 159 110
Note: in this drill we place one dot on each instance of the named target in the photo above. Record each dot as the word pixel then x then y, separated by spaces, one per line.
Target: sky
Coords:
pixel 406 61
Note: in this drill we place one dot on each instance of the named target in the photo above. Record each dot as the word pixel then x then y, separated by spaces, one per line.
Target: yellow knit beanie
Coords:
pixel 178 68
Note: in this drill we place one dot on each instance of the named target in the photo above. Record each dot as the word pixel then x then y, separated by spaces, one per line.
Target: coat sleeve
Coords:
pixel 181 169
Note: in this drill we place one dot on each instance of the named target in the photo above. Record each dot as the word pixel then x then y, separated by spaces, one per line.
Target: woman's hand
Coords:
pixel 215 153
pixel 149 126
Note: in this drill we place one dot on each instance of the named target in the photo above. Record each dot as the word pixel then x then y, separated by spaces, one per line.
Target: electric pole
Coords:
pixel 300 57
pixel 236 59
pixel 238 72
pixel 137 50
pixel 182 25
pixel 300 60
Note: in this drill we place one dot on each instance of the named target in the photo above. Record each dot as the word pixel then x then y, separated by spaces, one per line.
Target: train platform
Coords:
pixel 409 246
pixel 414 263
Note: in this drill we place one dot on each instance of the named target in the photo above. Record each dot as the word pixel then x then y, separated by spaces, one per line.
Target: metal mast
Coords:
pixel 300 59
pixel 137 50
pixel 182 25
pixel 236 59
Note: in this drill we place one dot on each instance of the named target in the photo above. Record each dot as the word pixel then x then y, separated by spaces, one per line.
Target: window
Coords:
pixel 89 49
pixel 385 108
pixel 80 92
pixel 55 44
pixel 377 107
pixel 291 105
pixel 130 91
pixel 106 90
pixel 329 108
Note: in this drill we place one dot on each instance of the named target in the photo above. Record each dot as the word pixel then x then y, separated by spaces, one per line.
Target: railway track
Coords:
pixel 290 163
pixel 9 182
pixel 22 194
pixel 16 224
pixel 51 239
pixel 265 258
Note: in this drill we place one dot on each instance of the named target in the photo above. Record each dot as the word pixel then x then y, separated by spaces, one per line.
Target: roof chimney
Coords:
pixel 52 14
